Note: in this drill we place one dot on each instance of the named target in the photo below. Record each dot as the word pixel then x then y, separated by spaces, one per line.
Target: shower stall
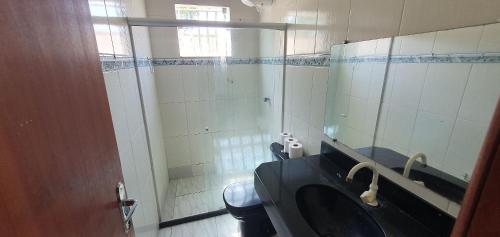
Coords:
pixel 212 102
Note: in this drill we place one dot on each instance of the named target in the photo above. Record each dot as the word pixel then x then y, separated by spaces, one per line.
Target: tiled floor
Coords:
pixel 235 158
pixel 220 226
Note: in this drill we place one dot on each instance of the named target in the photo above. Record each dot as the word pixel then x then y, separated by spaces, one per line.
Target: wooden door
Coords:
pixel 59 163
pixel 480 212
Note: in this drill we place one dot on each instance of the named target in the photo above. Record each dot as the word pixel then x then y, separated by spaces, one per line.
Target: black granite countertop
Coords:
pixel 277 183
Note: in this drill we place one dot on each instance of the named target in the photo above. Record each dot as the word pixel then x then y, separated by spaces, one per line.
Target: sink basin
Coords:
pixel 331 213
pixel 437 184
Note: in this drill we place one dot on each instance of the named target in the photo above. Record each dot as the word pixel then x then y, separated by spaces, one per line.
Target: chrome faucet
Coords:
pixel 409 163
pixel 368 197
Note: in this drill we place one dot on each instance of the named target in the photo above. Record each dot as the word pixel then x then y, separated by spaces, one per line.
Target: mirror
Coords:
pixel 436 100
pixel 357 73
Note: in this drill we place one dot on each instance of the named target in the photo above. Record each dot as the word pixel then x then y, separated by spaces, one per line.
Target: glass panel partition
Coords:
pixel 216 115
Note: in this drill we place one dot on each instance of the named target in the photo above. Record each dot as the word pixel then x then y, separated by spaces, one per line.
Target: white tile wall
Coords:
pixel 200 102
pixel 169 85
pixel 178 152
pixel 245 42
pixel 164 42
pixel 318 102
pixel 155 132
pixel 301 80
pixel 356 92
pixel 441 109
pixel 316 24
pixel 417 44
pixel 482 89
pixel 305 98
pixel 131 141
pixel 305 29
pixel 174 119
pixel 429 133
pixel 198 117
pixel 407 89
pixel 444 87
pixel 361 80
pixel 464 146
pixel 399 127
pixel 463 40
pixel 126 111
pixel 490 40
pixel 270 86
pixel 128 83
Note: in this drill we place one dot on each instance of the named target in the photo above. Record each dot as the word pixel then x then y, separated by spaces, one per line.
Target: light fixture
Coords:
pixel 258 4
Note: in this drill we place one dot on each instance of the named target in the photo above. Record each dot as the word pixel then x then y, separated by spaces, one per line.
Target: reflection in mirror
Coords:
pixel 441 90
pixel 357 72
pixel 438 97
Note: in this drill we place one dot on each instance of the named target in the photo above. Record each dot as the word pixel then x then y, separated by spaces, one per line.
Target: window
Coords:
pixel 203 41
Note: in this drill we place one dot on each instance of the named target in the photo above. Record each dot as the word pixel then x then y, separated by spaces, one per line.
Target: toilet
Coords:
pixel 243 203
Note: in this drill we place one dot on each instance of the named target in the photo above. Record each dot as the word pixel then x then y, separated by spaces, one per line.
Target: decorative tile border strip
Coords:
pixel 315 60
pixel 364 59
pixel 425 58
pixel 110 63
pixel 204 61
pixel 447 58
pixel 217 61
pixel 271 60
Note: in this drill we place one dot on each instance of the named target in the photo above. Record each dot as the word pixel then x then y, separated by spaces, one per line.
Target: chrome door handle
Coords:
pixel 127 206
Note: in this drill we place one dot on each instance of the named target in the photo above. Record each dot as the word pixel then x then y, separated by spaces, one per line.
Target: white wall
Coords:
pixel 123 97
pixel 441 109
pixel 201 102
pixel 305 96
pixel 125 105
pixel 355 91
pixel 271 86
pixel 148 85
pixel 155 128
pixel 271 83
pixel 318 24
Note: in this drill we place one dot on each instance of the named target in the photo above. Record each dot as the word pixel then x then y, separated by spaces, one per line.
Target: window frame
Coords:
pixel 220 38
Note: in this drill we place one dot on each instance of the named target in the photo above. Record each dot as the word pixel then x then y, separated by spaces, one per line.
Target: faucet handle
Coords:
pixel 369 197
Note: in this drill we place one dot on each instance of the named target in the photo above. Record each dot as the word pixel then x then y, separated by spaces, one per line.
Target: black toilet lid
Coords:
pixel 241 197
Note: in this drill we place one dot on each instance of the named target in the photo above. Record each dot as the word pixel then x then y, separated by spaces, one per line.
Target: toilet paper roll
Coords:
pixel 283 136
pixel 287 143
pixel 296 150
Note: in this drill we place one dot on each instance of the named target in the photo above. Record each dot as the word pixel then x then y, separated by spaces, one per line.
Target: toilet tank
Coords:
pixel 276 152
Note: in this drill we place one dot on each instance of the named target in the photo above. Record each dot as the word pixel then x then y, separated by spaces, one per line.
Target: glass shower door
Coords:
pixel 219 114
